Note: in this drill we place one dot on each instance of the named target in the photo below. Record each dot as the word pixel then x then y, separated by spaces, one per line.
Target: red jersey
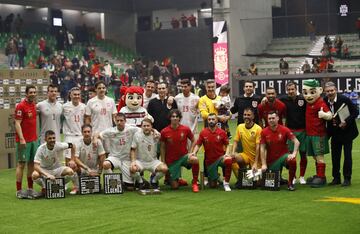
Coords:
pixel 26 112
pixel 176 142
pixel 314 125
pixel 278 106
pixel 276 142
pixel 214 143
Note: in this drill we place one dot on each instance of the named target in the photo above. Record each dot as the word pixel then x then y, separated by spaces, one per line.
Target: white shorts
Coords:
pixel 73 140
pixel 56 172
pixel 149 166
pixel 124 167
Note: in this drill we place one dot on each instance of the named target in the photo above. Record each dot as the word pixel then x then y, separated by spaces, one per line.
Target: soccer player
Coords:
pixel 295 121
pixel 149 93
pixel 174 152
pixel 100 111
pixel 50 111
pixel 248 100
pixel 89 155
pixel 143 154
pixel 271 103
pixel 273 148
pixel 120 139
pixel 248 136
pixel 207 106
pixel 73 113
pixel 47 162
pixel 26 141
pixel 215 142
pixel 187 104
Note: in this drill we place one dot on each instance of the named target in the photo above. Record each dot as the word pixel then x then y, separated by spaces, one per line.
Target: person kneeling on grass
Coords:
pixel 89 155
pixel 273 148
pixel 215 143
pixel 143 155
pixel 174 152
pixel 47 163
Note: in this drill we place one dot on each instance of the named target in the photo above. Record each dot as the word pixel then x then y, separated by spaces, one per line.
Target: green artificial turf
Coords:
pixel 210 211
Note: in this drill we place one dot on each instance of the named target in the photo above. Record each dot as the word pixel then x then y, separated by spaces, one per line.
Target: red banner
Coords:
pixel 221 63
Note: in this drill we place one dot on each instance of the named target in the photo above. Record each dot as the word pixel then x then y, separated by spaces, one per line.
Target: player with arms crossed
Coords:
pixel 274 150
pixel 215 142
pixel 143 154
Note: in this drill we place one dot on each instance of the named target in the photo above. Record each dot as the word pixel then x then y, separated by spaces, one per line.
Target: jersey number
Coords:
pixel 103 111
pixel 122 141
pixel 77 118
pixel 185 108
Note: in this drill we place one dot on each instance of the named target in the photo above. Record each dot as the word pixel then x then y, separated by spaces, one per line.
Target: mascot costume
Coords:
pixel 317 113
pixel 133 110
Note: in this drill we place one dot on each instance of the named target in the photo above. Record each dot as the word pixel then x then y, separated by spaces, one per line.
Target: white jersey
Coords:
pixel 120 141
pixel 74 118
pixel 50 159
pixel 146 100
pixel 188 106
pixel 88 154
pixel 134 118
pixel 50 118
pixel 101 111
pixel 146 146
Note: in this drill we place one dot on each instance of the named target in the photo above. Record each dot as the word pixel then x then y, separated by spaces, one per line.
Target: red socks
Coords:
pixel 320 170
pixel 30 182
pixel 18 185
pixel 292 170
pixel 303 164
pixel 195 172
pixel 228 163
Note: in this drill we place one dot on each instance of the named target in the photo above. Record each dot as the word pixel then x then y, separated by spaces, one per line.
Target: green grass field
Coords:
pixel 210 211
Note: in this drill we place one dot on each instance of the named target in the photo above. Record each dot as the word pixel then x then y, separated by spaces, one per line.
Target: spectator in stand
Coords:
pixel 21 53
pixel 338 45
pixel 60 40
pixel 86 53
pixel 175 23
pixel 346 53
pixel 10 52
pixel 92 53
pixel 306 67
pixel 70 40
pixel 8 22
pixel 184 21
pixel 157 24
pixel 75 63
pixel 42 45
pixel 18 23
pixel 358 26
pixel 311 28
pixel 284 67
pixel 133 76
pixel 124 78
pixel 107 72
pixel 253 70
pixel 192 20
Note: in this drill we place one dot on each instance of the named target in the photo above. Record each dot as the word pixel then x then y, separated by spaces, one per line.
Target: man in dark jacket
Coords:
pixel 343 130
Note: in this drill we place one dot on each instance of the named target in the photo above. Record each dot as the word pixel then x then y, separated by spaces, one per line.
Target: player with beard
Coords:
pixel 269 104
pixel 215 142
pixel 248 136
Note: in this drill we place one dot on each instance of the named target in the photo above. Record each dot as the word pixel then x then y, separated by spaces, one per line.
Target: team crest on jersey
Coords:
pixel 218 138
pixel 300 102
pixel 280 136
pixel 108 104
pixel 254 104
pixel 182 136
pixel 252 134
pixel 19 112
pixel 30 114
